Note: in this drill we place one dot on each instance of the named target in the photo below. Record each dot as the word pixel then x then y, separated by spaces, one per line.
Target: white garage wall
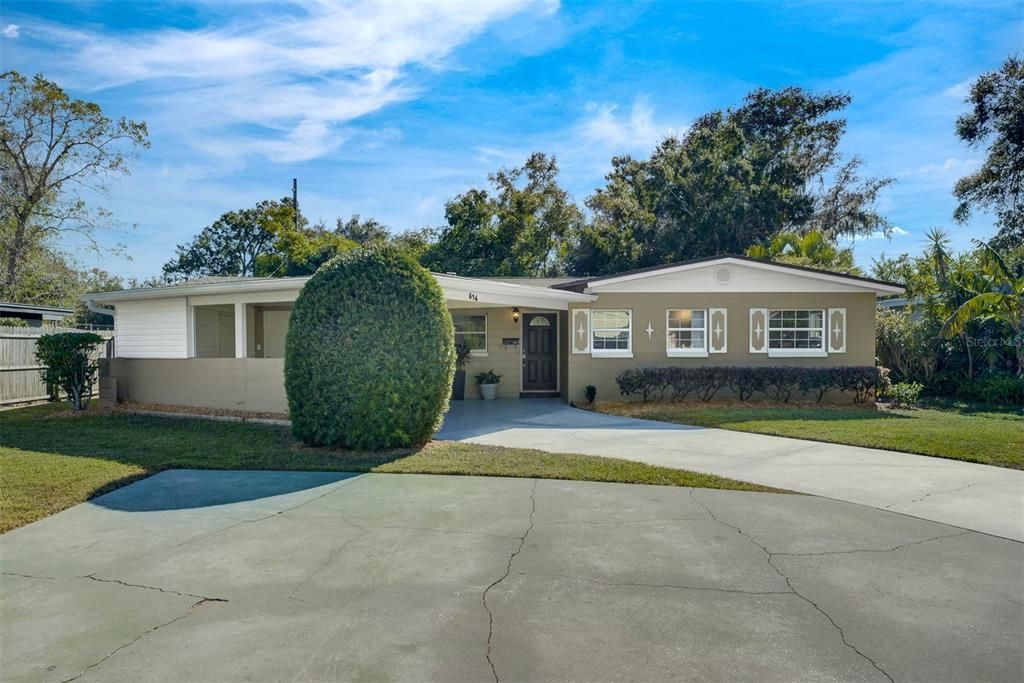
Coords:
pixel 151 329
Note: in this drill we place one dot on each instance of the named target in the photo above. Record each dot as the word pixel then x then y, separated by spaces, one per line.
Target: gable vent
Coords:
pixel 723 275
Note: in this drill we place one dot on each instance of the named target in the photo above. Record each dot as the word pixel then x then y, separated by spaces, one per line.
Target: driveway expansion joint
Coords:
pixel 508 570
pixel 770 556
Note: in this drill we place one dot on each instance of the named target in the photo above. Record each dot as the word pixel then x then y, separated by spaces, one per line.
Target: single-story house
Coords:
pixel 219 342
pixel 34 316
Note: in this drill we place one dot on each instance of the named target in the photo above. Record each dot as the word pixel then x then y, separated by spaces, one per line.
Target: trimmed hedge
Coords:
pixel 780 383
pixel 370 356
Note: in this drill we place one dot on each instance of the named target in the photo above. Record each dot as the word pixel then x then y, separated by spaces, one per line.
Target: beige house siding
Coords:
pixel 255 384
pixel 507 361
pixel 651 307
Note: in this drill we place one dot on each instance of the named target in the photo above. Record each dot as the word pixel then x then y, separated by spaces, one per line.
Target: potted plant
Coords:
pixel 488 383
pixel 462 353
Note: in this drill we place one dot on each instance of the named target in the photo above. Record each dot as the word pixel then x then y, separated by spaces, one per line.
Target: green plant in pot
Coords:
pixel 488 383
pixel 462 357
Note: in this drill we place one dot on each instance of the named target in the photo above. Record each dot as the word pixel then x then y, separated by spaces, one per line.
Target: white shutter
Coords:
pixel 758 330
pixel 580 330
pixel 837 330
pixel 718 330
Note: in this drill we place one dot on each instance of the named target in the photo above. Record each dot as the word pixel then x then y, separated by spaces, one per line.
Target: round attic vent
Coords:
pixel 723 275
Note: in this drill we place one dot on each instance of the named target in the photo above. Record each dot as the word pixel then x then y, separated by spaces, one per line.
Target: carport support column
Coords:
pixel 240 330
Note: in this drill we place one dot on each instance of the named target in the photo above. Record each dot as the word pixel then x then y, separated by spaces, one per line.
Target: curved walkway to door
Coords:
pixel 977 497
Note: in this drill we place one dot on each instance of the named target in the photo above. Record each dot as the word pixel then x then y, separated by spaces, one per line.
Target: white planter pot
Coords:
pixel 488 392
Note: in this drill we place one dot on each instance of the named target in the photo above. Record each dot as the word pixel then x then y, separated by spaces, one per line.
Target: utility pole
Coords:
pixel 295 201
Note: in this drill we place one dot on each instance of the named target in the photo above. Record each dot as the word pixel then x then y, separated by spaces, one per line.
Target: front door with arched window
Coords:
pixel 540 352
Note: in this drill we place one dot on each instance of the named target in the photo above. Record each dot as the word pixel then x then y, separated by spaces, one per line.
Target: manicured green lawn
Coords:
pixel 49 463
pixel 993 438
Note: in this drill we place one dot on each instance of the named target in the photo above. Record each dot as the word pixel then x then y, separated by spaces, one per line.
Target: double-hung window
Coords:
pixel 686 332
pixel 796 332
pixel 471 330
pixel 611 333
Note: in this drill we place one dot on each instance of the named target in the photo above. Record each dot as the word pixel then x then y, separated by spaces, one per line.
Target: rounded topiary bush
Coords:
pixel 370 355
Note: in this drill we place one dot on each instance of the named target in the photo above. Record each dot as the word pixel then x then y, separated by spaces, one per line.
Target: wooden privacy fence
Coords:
pixel 20 379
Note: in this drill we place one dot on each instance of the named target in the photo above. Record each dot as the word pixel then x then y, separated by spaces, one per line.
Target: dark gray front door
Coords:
pixel 540 353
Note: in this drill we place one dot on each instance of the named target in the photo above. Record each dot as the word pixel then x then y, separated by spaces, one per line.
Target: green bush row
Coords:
pixel 778 383
pixel 996 388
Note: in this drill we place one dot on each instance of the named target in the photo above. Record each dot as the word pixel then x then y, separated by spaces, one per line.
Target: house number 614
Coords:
pixel 473 297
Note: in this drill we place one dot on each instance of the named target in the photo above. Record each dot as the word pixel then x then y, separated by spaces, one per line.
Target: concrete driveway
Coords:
pixel 967 495
pixel 224 576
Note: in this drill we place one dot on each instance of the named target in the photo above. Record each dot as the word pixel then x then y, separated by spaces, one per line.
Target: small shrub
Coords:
pixel 781 382
pixel 994 388
pixel 903 394
pixel 370 355
pixel 489 377
pixel 707 381
pixel 745 382
pixel 590 393
pixel 462 356
pixel 13 322
pixel 863 381
pixel 816 382
pixel 70 361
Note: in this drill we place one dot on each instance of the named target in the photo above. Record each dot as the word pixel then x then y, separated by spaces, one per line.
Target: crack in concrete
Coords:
pixel 872 550
pixel 769 556
pixel 508 570
pixel 142 635
pixel 934 493
pixel 328 562
pixel 202 598
pixel 679 586
pixel 93 577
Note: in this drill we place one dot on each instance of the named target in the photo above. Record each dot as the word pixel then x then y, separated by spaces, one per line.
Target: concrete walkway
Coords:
pixel 967 495
pixel 287 576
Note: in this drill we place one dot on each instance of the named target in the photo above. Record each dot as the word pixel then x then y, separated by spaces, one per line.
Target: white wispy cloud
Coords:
pixel 300 77
pixel 628 131
pixel 11 31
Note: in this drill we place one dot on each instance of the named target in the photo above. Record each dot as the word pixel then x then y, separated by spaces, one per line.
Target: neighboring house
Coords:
pixel 220 343
pixel 35 316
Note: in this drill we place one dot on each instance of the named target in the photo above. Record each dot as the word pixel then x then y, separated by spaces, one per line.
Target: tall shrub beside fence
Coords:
pixel 21 374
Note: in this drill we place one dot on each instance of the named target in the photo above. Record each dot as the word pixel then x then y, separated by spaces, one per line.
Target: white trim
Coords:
pixel 487 340
pixel 673 352
pixel 725 330
pixel 751 331
pixel 612 353
pixel 487 292
pixel 841 347
pixel 575 332
pixel 878 288
pixel 686 353
pixel 797 353
pixel 240 330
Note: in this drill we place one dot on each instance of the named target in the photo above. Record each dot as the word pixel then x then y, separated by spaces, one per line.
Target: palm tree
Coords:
pixel 813 248
pixel 996 293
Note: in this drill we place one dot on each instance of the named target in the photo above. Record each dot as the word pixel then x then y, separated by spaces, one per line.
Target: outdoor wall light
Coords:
pixel 515 314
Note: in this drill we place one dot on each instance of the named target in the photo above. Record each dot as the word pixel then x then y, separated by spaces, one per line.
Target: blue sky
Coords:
pixel 389 109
